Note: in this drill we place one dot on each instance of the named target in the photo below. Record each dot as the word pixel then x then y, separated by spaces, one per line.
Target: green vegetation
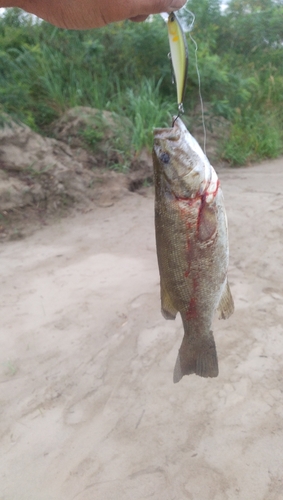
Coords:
pixel 123 68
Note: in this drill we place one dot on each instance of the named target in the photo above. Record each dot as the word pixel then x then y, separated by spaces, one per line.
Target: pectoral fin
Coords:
pixel 167 309
pixel 226 304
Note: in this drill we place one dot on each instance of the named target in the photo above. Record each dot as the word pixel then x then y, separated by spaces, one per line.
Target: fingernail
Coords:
pixel 176 4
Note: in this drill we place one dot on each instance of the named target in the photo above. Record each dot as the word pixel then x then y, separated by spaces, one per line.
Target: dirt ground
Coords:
pixel 88 409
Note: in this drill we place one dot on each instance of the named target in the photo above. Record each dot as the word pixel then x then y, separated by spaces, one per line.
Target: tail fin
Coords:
pixel 196 357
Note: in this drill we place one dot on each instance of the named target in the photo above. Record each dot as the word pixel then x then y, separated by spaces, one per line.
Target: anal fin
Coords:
pixel 167 308
pixel 226 304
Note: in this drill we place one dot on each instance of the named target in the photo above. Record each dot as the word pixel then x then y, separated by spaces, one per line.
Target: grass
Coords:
pixel 140 112
pixel 147 110
pixel 123 68
pixel 253 138
pixel 10 368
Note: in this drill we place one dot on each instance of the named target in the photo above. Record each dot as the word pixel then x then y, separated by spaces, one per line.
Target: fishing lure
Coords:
pixel 179 57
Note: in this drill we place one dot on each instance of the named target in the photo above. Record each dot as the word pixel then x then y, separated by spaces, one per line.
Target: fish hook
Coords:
pixel 181 111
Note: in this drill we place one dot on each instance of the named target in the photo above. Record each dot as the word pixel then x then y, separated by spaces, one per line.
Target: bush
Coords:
pixel 123 68
pixel 252 138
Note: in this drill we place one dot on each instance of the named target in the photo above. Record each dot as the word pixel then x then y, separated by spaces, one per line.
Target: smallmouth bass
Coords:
pixel 192 246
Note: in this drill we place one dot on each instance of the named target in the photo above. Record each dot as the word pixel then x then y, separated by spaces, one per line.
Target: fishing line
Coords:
pixel 199 91
pixel 189 29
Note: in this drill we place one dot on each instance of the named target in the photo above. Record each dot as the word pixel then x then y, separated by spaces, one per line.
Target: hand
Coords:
pixel 85 14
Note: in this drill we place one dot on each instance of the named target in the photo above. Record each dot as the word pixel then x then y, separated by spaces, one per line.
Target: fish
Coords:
pixel 192 246
pixel 179 56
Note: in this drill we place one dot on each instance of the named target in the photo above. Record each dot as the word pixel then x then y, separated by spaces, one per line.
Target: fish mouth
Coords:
pixel 171 134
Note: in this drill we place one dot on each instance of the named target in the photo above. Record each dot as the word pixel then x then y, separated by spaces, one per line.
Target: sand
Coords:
pixel 88 409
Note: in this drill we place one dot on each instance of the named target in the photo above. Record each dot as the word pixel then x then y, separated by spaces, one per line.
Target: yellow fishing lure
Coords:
pixel 179 57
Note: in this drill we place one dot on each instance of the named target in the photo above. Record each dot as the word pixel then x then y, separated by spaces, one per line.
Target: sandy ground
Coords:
pixel 88 407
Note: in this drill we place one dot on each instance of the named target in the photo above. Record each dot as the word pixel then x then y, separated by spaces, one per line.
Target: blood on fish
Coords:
pixel 192 309
pixel 190 216
pixel 195 283
pixel 207 217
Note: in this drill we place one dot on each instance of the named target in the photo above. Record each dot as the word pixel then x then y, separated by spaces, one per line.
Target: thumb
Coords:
pixel 147 7
pixel 161 6
pixel 169 5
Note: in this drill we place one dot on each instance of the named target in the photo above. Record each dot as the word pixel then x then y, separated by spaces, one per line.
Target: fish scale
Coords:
pixel 192 246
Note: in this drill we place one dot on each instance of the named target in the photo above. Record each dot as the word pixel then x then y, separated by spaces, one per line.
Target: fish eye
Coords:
pixel 164 157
